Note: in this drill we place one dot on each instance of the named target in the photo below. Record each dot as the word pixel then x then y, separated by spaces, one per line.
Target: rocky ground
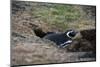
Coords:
pixel 27 48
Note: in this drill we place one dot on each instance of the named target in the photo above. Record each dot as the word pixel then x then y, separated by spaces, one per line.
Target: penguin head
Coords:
pixel 70 33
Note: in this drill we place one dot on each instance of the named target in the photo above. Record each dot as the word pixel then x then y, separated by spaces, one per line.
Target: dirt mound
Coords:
pixel 87 42
pixel 36 51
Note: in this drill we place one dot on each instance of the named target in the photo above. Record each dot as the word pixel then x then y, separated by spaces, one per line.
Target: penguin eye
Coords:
pixel 72 34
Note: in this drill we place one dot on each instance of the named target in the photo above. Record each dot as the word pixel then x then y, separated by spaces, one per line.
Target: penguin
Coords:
pixel 61 39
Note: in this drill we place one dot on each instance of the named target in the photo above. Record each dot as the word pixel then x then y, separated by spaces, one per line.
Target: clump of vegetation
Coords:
pixel 57 15
pixel 60 16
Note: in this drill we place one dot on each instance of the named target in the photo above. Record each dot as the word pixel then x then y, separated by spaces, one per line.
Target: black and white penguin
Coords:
pixel 61 39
